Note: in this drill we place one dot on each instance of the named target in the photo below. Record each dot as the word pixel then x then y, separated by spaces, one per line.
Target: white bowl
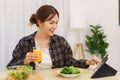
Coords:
pixel 69 75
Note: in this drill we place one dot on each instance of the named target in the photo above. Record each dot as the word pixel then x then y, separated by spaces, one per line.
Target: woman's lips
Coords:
pixel 52 31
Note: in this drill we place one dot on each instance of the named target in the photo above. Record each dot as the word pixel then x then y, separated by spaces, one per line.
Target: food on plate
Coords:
pixel 70 70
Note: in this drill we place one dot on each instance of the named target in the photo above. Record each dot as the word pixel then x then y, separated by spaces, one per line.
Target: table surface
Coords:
pixel 52 74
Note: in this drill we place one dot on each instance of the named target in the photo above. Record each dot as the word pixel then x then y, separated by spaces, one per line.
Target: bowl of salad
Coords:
pixel 19 72
pixel 69 72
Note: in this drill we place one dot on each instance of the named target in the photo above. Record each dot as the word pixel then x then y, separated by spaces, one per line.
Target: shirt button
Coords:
pixel 50 50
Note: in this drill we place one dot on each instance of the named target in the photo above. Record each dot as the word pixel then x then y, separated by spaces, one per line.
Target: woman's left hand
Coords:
pixel 94 60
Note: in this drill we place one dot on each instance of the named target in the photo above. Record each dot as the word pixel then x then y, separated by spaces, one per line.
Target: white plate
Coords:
pixel 69 75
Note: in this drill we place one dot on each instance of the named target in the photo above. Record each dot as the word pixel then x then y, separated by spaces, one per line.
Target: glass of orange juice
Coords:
pixel 39 53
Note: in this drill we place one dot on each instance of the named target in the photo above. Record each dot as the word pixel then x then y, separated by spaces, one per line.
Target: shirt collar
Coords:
pixel 53 38
pixel 31 37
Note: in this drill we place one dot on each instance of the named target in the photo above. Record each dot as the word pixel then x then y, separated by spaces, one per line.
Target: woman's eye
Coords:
pixel 51 23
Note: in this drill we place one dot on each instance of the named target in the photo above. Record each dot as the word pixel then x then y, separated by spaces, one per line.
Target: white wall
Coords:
pixel 11 22
pixel 105 13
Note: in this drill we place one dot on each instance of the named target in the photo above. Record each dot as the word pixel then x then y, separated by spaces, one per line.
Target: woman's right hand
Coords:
pixel 30 57
pixel 94 60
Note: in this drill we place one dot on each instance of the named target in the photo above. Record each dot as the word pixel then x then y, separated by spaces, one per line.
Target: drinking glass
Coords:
pixel 39 53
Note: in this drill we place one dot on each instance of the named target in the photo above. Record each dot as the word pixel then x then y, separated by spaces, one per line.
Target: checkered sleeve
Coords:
pixel 17 56
pixel 69 60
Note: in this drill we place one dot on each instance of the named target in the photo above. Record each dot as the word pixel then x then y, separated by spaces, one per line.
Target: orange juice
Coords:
pixel 39 53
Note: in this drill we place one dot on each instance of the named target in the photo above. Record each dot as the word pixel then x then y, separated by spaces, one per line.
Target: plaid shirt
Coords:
pixel 59 49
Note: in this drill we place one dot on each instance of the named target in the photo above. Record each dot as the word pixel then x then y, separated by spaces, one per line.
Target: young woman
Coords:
pixel 56 52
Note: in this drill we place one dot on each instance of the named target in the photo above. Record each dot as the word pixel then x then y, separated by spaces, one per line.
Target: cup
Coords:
pixel 39 53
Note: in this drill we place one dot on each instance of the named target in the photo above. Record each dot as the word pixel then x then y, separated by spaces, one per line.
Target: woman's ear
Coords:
pixel 39 23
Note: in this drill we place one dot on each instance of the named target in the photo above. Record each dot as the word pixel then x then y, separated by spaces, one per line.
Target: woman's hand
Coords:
pixel 30 57
pixel 94 60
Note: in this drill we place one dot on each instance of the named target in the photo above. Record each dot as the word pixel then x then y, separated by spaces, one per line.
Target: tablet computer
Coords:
pixel 103 69
pixel 103 61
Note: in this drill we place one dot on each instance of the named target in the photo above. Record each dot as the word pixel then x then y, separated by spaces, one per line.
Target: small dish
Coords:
pixel 68 75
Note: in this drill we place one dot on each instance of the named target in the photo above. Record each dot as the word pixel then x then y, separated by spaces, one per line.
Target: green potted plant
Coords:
pixel 97 43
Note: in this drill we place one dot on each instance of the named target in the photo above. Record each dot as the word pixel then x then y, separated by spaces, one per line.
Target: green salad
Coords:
pixel 70 70
pixel 19 72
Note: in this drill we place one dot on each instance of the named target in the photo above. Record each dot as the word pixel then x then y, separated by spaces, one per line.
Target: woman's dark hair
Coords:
pixel 44 13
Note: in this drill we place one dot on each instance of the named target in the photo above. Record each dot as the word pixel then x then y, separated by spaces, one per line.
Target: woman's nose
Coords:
pixel 55 26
